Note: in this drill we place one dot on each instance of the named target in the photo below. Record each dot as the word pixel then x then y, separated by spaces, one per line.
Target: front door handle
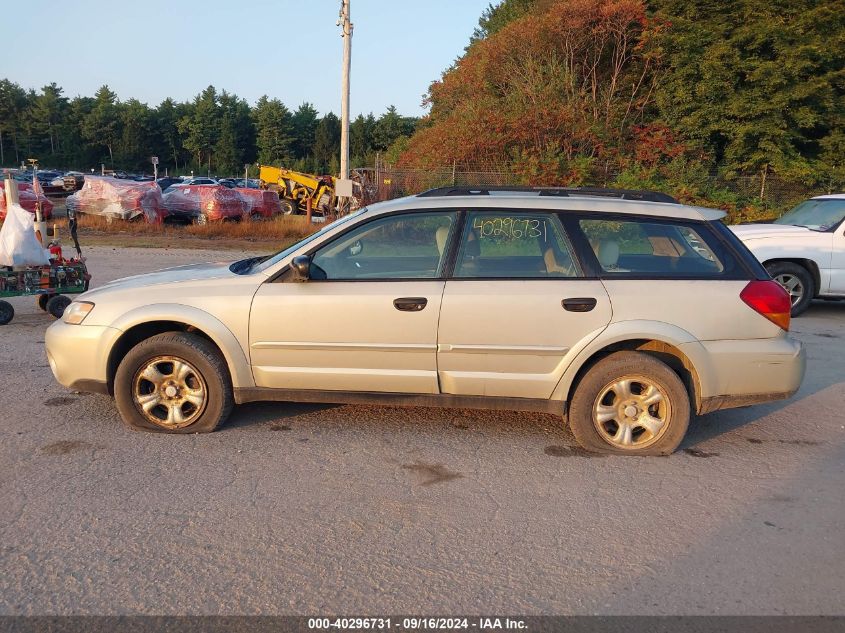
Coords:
pixel 410 304
pixel 579 304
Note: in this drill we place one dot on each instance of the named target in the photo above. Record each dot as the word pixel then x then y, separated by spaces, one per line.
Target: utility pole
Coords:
pixel 346 33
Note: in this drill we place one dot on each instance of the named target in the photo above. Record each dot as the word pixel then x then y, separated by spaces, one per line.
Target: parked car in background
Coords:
pixel 167 181
pixel 201 204
pixel 199 180
pixel 803 250
pixel 571 302
pixel 227 182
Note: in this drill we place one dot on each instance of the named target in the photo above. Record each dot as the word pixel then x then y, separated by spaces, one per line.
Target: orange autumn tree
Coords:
pixel 553 96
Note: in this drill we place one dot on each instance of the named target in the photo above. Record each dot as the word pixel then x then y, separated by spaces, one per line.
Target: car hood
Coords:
pixel 760 231
pixel 192 272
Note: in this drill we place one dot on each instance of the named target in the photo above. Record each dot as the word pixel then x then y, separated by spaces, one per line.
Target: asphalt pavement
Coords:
pixel 318 509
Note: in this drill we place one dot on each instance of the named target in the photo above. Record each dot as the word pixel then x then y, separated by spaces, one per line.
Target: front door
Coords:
pixel 514 307
pixel 367 319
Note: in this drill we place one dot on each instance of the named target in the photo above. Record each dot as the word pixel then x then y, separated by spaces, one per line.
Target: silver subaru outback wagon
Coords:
pixel 622 311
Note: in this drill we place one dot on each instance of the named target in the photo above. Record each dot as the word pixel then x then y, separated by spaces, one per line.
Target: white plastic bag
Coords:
pixel 18 244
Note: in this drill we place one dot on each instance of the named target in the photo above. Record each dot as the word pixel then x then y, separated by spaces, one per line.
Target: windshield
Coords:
pixel 265 263
pixel 817 214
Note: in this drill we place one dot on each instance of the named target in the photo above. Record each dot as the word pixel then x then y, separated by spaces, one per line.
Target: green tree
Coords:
pixel 137 143
pixel 102 126
pixel 304 123
pixel 389 127
pixel 758 88
pixel 327 143
pixel 45 113
pixel 361 139
pixel 200 127
pixel 12 104
pixel 273 131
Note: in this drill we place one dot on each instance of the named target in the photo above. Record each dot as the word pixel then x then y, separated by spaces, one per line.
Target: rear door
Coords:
pixel 515 305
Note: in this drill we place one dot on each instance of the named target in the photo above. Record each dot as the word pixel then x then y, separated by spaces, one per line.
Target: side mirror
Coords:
pixel 301 267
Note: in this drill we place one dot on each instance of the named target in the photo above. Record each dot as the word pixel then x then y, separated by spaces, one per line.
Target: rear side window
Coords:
pixel 514 246
pixel 658 249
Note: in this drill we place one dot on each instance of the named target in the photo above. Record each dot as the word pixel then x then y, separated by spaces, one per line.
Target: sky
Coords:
pixel 289 49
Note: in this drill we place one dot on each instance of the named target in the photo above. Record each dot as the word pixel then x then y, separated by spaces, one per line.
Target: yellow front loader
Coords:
pixel 296 188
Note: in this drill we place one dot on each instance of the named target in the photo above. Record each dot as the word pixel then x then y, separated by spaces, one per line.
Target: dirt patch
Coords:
pixel 59 401
pixel 64 447
pixel 697 452
pixel 430 474
pixel 279 427
pixel 569 451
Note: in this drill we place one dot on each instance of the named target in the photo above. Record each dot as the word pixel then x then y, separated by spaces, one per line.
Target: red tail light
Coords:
pixel 769 299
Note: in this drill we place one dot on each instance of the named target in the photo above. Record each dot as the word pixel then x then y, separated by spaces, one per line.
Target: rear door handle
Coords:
pixel 410 304
pixel 579 304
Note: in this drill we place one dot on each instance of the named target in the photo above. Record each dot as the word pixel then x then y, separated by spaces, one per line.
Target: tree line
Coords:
pixel 666 94
pixel 216 132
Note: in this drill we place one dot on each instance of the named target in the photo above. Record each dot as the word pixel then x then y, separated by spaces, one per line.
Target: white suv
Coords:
pixel 623 311
pixel 803 250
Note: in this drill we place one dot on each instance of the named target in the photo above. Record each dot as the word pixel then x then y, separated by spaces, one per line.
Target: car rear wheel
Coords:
pixel 630 403
pixel 174 382
pixel 797 281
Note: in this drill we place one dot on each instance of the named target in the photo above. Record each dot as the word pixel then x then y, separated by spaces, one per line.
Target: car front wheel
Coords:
pixel 174 382
pixel 630 403
pixel 797 281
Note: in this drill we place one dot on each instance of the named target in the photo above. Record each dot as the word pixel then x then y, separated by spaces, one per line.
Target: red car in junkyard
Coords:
pixel 260 203
pixel 119 199
pixel 201 204
pixel 28 200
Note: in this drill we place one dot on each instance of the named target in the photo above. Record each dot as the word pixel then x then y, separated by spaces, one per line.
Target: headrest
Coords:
pixel 608 254
pixel 472 248
pixel 440 237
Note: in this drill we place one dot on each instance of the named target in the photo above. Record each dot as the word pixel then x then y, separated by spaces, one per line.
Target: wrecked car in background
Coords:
pixel 119 199
pixel 201 204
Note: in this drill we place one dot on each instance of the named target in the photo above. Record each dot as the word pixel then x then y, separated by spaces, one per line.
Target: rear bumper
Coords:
pixel 754 371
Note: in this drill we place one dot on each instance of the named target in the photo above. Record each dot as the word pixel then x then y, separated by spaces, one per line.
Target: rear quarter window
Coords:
pixel 661 249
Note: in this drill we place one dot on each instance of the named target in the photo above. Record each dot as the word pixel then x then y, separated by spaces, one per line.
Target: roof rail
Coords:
pixel 485 190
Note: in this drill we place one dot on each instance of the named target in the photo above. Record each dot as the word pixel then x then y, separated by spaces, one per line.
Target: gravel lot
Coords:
pixel 349 509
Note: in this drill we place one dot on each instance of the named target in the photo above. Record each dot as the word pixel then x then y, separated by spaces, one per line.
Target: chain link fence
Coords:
pixel 748 197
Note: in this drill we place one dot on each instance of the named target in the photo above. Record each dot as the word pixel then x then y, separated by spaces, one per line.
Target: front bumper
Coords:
pixel 754 371
pixel 79 354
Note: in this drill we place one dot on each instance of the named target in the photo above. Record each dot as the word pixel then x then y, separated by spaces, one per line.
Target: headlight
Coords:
pixel 76 312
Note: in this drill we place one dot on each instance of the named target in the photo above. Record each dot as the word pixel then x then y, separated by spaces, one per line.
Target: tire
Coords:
pixel 205 376
pixel 41 301
pixel 289 207
pixel 797 281
pixel 56 305
pixel 7 312
pixel 604 386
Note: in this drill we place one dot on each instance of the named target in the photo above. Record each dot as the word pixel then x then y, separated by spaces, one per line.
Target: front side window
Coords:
pixel 409 246
pixel 654 249
pixel 514 245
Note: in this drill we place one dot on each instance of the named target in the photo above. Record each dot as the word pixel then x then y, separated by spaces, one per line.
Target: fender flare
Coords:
pixel 216 330
pixel 619 332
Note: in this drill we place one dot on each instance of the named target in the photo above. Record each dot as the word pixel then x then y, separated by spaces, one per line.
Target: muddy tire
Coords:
pixel 630 403
pixel 289 207
pixel 174 382
pixel 57 304
pixel 797 281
